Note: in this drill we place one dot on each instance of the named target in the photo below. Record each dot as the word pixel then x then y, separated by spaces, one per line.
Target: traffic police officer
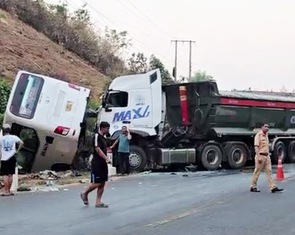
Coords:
pixel 262 160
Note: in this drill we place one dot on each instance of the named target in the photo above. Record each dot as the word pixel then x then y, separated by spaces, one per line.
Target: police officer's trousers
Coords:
pixel 262 163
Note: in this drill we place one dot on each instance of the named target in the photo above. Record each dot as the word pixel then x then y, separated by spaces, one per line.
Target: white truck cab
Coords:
pixel 140 101
pixel 134 98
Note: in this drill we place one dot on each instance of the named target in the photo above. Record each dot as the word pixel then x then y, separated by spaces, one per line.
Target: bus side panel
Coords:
pixel 69 111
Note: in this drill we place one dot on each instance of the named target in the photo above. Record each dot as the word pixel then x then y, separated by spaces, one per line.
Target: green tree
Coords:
pixel 82 15
pixel 60 10
pixel 156 63
pixel 117 40
pixel 5 89
pixel 137 63
pixel 200 76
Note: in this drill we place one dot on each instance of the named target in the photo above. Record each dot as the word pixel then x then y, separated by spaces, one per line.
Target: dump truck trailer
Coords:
pixel 195 123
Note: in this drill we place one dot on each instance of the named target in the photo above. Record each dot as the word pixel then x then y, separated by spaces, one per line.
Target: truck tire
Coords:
pixel 211 157
pixel 137 159
pixel 236 156
pixel 279 149
pixel 291 152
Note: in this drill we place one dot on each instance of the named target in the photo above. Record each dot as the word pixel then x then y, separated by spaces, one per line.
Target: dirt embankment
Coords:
pixel 22 47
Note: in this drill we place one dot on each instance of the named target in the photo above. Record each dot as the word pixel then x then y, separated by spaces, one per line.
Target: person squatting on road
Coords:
pixel 262 160
pixel 123 150
pixel 99 166
pixel 8 160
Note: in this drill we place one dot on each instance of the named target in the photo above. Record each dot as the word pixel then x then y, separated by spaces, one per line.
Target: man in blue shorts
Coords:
pixel 99 167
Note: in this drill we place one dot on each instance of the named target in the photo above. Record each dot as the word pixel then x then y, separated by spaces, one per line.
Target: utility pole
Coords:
pixel 175 63
pixel 190 56
pixel 190 60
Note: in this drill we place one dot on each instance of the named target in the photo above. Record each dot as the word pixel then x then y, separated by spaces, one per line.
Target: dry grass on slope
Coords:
pixel 22 47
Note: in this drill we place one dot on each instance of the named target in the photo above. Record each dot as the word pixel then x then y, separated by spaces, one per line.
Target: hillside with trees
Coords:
pixel 22 47
pixel 48 39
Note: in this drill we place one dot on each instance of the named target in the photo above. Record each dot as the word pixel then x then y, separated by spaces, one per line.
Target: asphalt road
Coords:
pixel 200 203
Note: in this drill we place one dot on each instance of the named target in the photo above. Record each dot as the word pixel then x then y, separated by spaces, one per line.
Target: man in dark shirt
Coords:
pixel 99 167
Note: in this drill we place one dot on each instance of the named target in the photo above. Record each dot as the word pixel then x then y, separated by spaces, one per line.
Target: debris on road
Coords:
pixel 48 180
pixel 48 174
pixel 23 189
pixel 84 181
pixel 191 168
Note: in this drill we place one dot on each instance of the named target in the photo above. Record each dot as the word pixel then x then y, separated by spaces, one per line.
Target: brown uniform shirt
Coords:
pixel 261 141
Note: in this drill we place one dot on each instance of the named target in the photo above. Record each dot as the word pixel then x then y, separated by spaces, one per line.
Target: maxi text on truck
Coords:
pixel 48 114
pixel 195 123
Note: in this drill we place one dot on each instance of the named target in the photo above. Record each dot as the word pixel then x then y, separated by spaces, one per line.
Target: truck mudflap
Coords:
pixel 176 156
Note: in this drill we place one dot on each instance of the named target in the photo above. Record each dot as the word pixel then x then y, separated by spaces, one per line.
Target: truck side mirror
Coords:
pixel 107 108
pixel 103 101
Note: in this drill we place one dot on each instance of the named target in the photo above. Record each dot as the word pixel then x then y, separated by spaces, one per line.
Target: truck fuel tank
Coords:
pixel 169 156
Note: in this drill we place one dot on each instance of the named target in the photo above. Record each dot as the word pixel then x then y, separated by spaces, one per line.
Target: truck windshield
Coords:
pixel 117 99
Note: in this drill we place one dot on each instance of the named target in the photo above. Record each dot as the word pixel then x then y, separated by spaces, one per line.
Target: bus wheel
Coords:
pixel 236 156
pixel 279 150
pixel 211 157
pixel 291 152
pixel 137 159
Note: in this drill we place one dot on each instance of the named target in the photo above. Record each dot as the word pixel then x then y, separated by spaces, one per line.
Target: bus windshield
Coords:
pixel 26 95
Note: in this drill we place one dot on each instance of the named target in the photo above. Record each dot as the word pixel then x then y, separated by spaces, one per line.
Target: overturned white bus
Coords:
pixel 49 116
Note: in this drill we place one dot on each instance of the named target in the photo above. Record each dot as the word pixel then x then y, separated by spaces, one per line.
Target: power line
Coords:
pixel 145 19
pixel 108 18
pixel 148 19
pixel 111 18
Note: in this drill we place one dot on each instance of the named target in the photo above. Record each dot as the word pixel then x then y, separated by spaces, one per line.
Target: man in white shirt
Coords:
pixel 8 160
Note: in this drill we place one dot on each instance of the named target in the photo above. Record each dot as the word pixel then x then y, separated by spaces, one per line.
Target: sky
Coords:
pixel 241 43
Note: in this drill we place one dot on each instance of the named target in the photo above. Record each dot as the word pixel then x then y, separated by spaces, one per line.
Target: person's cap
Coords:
pixel 6 126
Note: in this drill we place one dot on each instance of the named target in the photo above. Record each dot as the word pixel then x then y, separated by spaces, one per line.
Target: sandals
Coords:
pixel 102 205
pixel 84 199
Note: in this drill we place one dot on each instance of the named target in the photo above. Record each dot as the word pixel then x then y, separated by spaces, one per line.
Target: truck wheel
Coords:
pixel 279 150
pixel 211 157
pixel 137 159
pixel 291 152
pixel 236 156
